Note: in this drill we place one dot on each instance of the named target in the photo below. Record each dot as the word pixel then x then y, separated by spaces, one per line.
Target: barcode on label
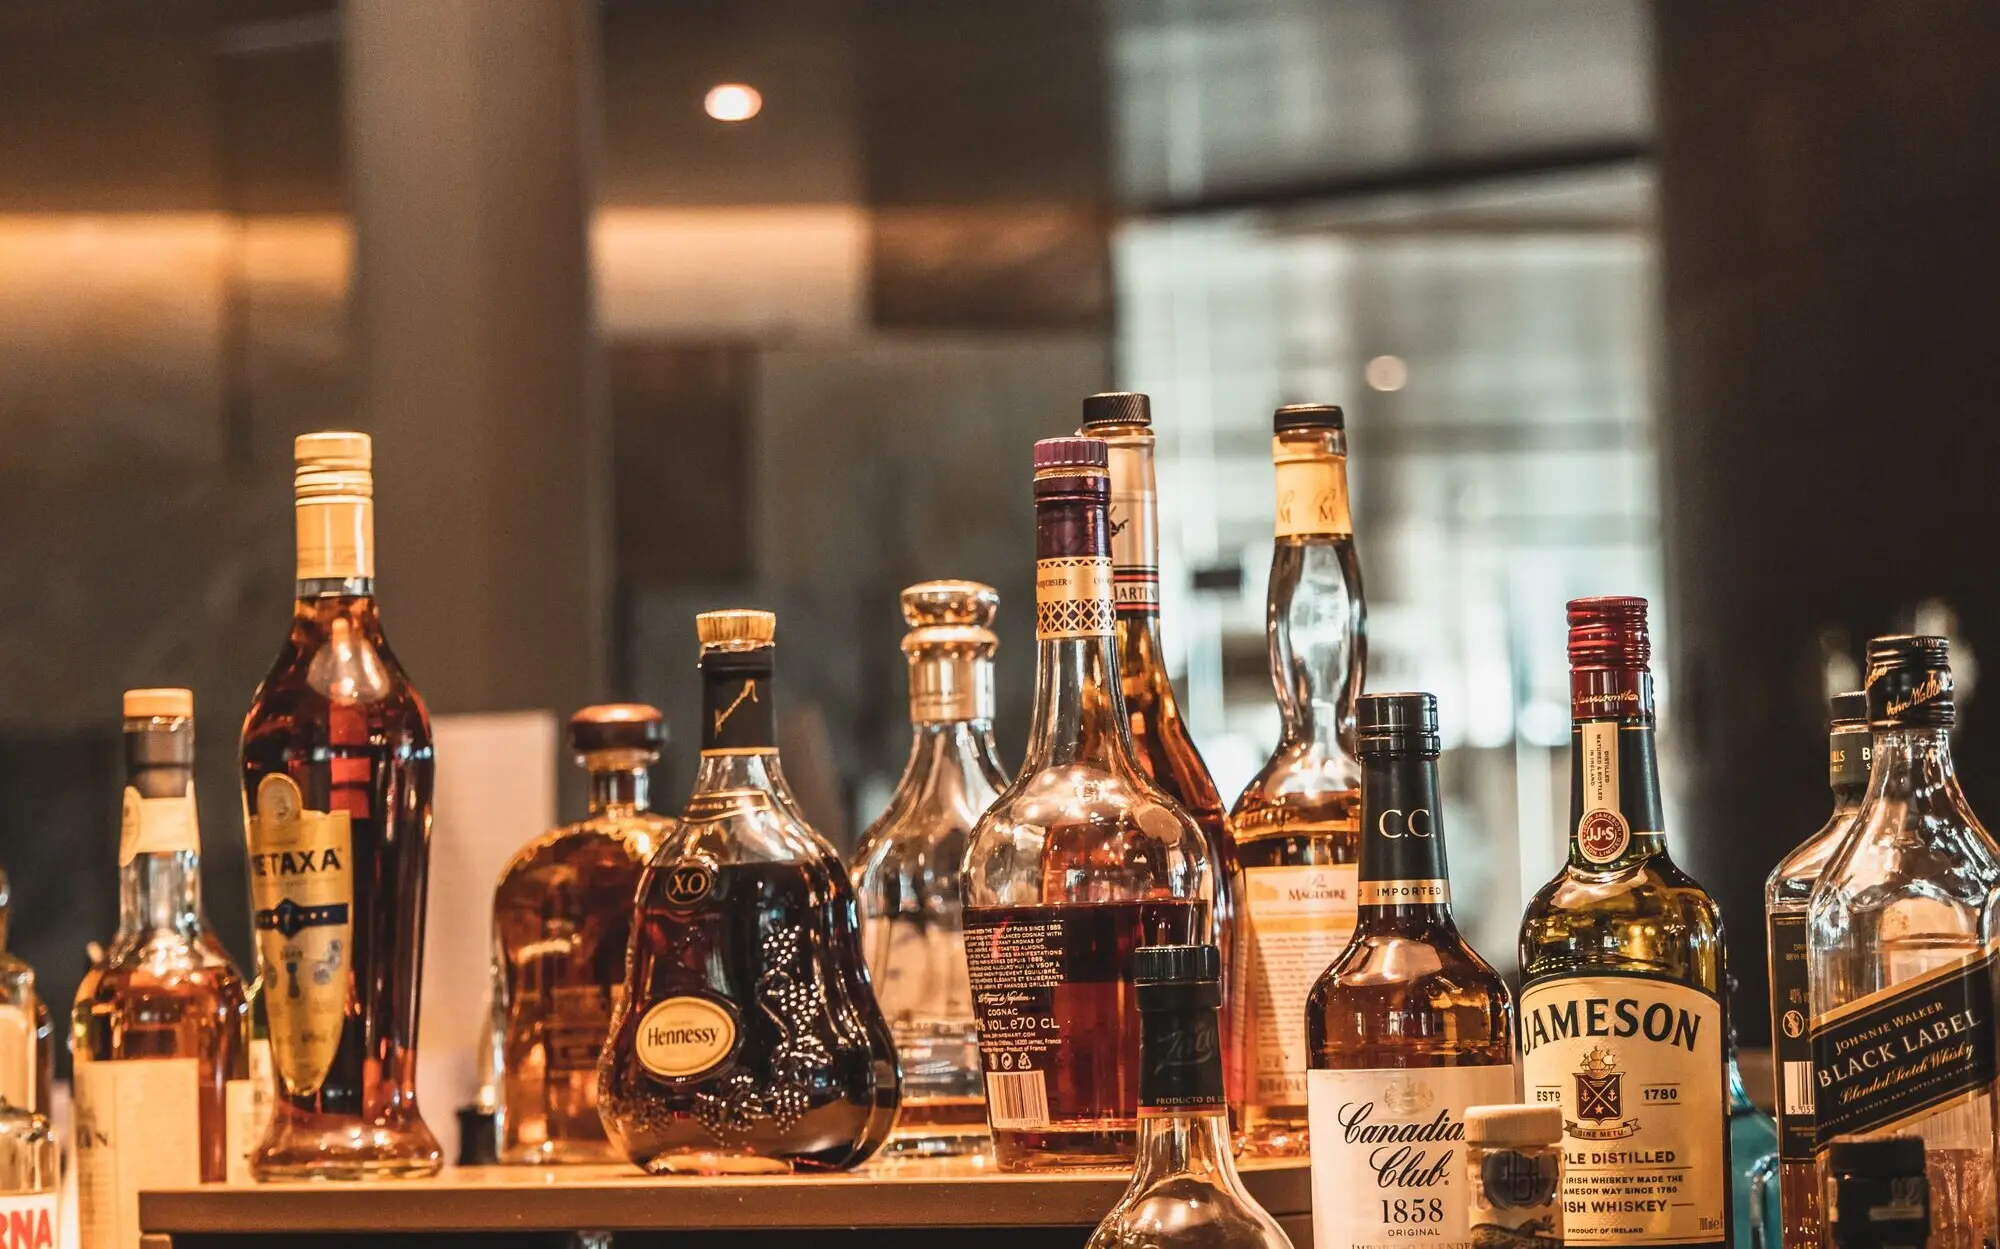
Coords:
pixel 1798 1088
pixel 1017 1099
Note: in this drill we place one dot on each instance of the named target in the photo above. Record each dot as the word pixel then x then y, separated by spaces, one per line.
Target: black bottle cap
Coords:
pixel 1397 724
pixel 617 726
pixel 1186 964
pixel 478 1137
pixel 1308 416
pixel 1909 681
pixel 1884 1157
pixel 1117 407
pixel 1848 708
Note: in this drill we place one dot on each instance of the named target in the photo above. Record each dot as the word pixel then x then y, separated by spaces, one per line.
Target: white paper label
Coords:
pixel 138 1126
pixel 157 826
pixel 1297 920
pixel 1388 1153
pixel 28 1221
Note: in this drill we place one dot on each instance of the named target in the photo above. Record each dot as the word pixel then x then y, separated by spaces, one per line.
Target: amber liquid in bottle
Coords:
pixel 337 776
pixel 1297 824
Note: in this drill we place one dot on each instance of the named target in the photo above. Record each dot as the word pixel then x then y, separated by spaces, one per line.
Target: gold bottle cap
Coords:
pixel 617 726
pixel 1513 1125
pixel 736 627
pixel 163 704
pixel 333 462
pixel 930 603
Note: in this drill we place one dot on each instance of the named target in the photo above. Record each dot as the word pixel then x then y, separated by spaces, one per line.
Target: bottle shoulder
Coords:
pixel 1189 1210
pixel 611 843
pixel 1301 775
pixel 1648 919
pixel 1436 967
pixel 1791 881
pixel 164 967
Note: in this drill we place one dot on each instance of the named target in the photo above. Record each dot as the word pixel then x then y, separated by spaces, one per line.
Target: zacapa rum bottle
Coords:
pixel 337 773
pixel 1409 1028
pixel 1901 941
pixel 1786 893
pixel 1621 962
pixel 906 867
pixel 1078 863
pixel 160 1027
pixel 747 1038
pixel 1298 837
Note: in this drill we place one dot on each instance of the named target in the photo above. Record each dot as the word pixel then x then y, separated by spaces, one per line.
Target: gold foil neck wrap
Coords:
pixel 159 704
pixel 950 648
pixel 1312 492
pixel 736 628
pixel 1073 597
pixel 333 490
pixel 930 603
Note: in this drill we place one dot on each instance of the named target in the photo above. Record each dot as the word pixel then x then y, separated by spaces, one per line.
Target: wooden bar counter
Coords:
pixel 883 1205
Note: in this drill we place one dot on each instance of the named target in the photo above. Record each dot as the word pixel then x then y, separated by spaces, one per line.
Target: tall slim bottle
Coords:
pixel 1078 863
pixel 1297 824
pixel 1160 738
pixel 160 1027
pixel 337 773
pixel 1901 940
pixel 1622 1000
pixel 1409 1028
pixel 1786 894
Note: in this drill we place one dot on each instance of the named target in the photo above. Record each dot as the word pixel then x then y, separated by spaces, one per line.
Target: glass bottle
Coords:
pixel 748 1038
pixel 1409 1028
pixel 1786 894
pixel 159 1028
pixel 27 1037
pixel 337 775
pixel 1878 1194
pixel 562 918
pixel 30 1162
pixel 1621 1005
pixel 906 867
pixel 1298 837
pixel 1513 1172
pixel 1185 1192
pixel 1078 863
pixel 1900 939
pixel 1160 738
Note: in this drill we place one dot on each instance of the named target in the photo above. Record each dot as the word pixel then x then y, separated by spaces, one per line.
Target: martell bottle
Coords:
pixel 1900 938
pixel 337 773
pixel 1079 863
pixel 160 1027
pixel 1621 961
pixel 906 867
pixel 1297 828
pixel 1786 894
pixel 1160 738
pixel 1409 1028
pixel 562 918
pixel 747 1038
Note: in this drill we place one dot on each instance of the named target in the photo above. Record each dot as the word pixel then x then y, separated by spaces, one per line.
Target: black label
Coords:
pixel 1905 1052
pixel 1180 1061
pixel 1401 837
pixel 736 711
pixel 1791 1036
pixel 1848 758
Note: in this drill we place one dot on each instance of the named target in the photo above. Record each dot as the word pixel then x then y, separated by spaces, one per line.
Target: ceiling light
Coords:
pixel 1386 373
pixel 732 101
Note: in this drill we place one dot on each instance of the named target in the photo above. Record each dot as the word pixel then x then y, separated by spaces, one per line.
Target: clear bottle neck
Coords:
pixel 1314 629
pixel 1194 1146
pixel 619 786
pixel 1912 765
pixel 949 748
pixel 159 877
pixel 159 895
pixel 742 769
pixel 1079 707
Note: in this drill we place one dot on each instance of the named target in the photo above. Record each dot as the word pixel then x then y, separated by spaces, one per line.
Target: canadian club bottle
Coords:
pixel 1786 894
pixel 1621 962
pixel 1410 1027
pixel 1078 863
pixel 1297 826
pixel 1901 944
pixel 337 772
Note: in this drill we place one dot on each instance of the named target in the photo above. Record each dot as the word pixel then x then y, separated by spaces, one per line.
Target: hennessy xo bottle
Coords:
pixel 1621 963
pixel 337 771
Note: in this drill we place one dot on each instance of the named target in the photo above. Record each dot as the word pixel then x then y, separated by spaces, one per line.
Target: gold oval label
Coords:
pixel 689 881
pixel 684 1036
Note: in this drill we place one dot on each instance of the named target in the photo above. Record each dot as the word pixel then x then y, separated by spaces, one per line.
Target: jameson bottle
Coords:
pixel 906 868
pixel 1409 1028
pixel 1901 944
pixel 1160 739
pixel 1297 822
pixel 1622 979
pixel 1786 894
pixel 1078 863
pixel 337 773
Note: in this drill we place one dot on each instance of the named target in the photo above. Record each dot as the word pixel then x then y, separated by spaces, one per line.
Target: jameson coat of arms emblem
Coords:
pixel 1600 1098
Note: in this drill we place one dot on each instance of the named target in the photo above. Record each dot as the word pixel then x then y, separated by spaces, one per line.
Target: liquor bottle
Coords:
pixel 1621 962
pixel 1878 1193
pixel 562 918
pixel 747 1038
pixel 906 867
pixel 1160 738
pixel 1409 1028
pixel 1298 837
pixel 1900 940
pixel 1185 1192
pixel 337 775
pixel 160 1027
pixel 1078 863
pixel 27 1037
pixel 1786 894
pixel 30 1162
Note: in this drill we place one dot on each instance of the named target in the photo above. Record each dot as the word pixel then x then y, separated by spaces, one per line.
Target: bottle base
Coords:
pixel 560 1154
pixel 347 1149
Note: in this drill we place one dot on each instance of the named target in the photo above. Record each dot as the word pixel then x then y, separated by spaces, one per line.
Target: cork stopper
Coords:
pixel 617 726
pixel 333 463
pixel 736 628
pixel 159 704
pixel 929 604
pixel 1513 1125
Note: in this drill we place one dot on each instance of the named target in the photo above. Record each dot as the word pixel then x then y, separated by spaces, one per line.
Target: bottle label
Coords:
pixel 1180 1064
pixel 685 1036
pixel 247 1112
pixel 1602 833
pixel 1402 847
pixel 1791 1035
pixel 1135 535
pixel 1388 1166
pixel 1312 498
pixel 1849 756
pixel 28 1220
pixel 157 826
pixel 302 895
pixel 138 1126
pixel 736 713
pixel 336 537
pixel 1920 1048
pixel 1516 1197
pixel 1296 920
pixel 1073 597
pixel 1636 1065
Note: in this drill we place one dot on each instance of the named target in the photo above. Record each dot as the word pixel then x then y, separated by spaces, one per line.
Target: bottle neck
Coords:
pixel 1133 516
pixel 1079 706
pixel 1314 625
pixel 335 535
pixel 1616 818
pixel 619 786
pixel 1912 766
pixel 1403 882
pixel 1190 1145
pixel 1183 1109
pixel 1850 755
pixel 943 748
pixel 159 849
pixel 951 681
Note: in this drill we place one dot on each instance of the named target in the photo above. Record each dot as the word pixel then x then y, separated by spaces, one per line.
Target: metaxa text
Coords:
pixel 1610 1017
pixel 295 862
